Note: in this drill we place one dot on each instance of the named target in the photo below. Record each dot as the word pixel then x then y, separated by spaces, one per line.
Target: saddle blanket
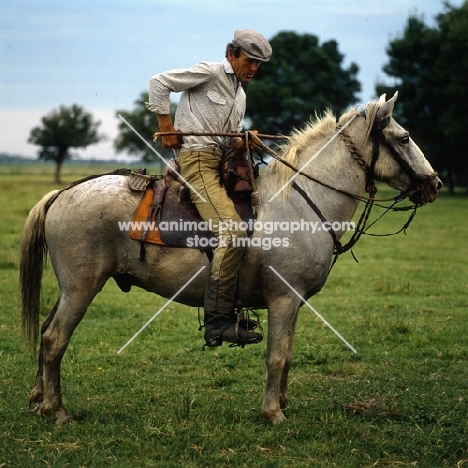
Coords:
pixel 140 221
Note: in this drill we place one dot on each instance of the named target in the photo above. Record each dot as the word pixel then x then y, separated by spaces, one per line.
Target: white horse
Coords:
pixel 79 227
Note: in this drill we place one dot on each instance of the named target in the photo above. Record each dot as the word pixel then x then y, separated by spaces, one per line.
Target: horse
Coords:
pixel 336 160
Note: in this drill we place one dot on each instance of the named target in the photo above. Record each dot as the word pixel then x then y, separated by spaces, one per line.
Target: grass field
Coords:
pixel 401 401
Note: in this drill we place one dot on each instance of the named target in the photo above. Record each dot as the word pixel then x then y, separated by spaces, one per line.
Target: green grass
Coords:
pixel 163 402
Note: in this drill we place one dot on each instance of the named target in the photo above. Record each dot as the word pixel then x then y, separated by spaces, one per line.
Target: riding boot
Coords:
pixel 221 327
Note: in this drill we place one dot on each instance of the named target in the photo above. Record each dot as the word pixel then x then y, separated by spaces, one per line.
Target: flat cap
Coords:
pixel 253 44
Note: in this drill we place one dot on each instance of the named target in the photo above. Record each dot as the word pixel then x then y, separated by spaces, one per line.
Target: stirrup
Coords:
pixel 246 321
pixel 243 317
pixel 243 322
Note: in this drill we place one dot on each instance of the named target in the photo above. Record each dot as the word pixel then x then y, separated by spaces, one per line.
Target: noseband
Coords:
pixel 417 183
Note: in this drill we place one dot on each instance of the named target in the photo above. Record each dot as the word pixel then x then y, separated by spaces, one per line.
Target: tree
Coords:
pixel 431 66
pixel 145 124
pixel 61 130
pixel 301 78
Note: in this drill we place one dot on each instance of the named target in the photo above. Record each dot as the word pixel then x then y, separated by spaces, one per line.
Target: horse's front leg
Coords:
pixel 282 317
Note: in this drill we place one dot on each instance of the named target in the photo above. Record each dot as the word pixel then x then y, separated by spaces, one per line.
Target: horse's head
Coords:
pixel 398 161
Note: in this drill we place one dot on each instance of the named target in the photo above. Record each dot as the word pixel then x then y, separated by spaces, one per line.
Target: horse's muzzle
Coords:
pixel 427 191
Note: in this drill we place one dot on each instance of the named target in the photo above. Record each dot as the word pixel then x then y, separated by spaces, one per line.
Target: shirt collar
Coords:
pixel 227 67
pixel 230 71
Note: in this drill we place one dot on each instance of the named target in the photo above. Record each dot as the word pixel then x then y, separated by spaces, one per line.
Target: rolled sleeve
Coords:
pixel 159 96
pixel 175 81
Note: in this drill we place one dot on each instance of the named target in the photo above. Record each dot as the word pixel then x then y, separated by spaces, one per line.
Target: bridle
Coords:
pixel 417 183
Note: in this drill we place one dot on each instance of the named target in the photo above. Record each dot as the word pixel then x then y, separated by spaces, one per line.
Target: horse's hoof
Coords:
pixel 273 418
pixel 62 416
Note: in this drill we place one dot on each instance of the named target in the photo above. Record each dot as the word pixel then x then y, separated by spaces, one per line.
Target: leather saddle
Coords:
pixel 166 216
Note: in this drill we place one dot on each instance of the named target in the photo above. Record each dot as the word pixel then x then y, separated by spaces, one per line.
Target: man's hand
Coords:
pixel 239 143
pixel 165 125
pixel 252 144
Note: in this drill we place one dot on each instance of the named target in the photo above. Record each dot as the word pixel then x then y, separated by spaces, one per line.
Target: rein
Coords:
pixel 362 227
pixel 354 152
pixel 225 134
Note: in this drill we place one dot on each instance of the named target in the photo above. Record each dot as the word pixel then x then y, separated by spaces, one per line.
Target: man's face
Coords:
pixel 243 66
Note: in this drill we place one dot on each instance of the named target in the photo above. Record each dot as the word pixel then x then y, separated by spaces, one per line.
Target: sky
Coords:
pixel 100 54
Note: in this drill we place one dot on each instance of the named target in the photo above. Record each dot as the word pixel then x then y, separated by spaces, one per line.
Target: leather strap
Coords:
pixel 317 211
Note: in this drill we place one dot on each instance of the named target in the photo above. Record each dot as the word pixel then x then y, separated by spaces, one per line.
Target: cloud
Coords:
pixel 101 54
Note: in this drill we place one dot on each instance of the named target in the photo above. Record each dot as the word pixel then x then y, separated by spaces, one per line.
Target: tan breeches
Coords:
pixel 201 170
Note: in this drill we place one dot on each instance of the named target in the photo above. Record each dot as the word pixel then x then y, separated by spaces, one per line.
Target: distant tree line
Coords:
pixel 304 77
pixel 430 67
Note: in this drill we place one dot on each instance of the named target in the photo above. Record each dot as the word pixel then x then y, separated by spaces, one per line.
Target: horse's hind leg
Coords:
pixel 57 331
pixel 35 396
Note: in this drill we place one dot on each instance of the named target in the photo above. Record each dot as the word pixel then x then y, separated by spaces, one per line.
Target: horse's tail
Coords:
pixel 33 251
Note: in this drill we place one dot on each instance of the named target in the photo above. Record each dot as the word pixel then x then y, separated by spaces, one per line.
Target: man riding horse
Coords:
pixel 213 101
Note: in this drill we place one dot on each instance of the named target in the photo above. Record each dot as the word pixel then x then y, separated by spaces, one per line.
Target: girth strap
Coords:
pixel 317 211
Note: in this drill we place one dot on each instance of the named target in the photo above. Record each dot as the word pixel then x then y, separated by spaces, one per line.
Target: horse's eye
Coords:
pixel 404 140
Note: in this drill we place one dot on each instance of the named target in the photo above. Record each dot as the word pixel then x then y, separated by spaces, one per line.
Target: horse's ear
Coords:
pixel 386 108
